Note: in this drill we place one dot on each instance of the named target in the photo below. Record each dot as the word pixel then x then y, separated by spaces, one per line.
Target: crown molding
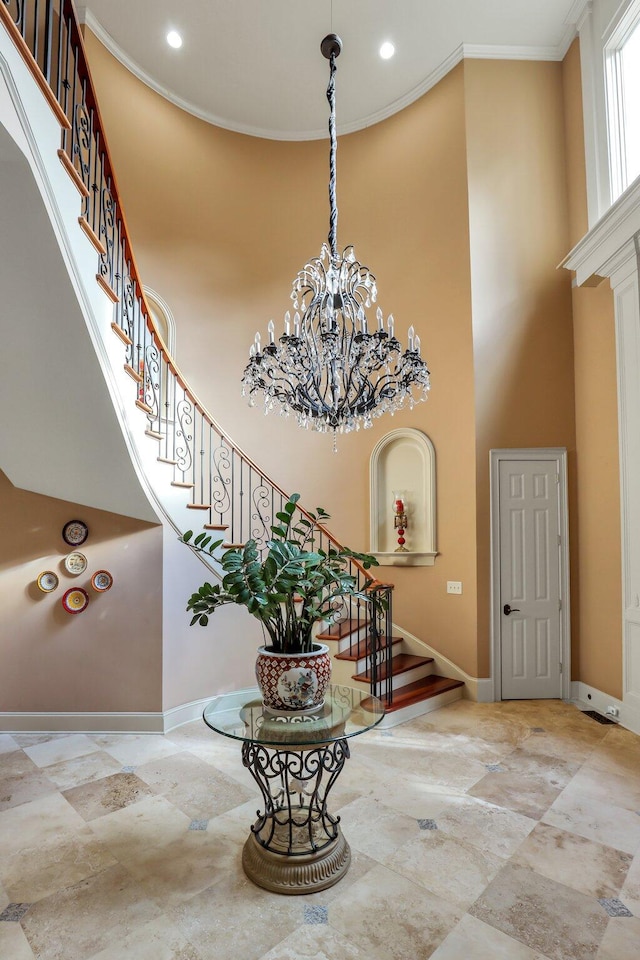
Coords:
pixel 468 51
pixel 576 12
pixel 488 51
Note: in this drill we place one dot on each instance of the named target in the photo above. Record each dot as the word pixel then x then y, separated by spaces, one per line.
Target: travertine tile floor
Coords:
pixel 505 831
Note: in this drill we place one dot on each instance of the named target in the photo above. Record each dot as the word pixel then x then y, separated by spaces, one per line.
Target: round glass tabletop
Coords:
pixel 345 713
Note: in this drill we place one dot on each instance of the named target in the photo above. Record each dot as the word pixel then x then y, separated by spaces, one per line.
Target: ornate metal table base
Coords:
pixel 308 873
pixel 296 846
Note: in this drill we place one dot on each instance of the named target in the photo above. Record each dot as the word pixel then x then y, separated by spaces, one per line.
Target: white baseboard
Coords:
pixel 81 722
pixel 590 698
pixel 186 712
pixel 478 689
pixel 105 722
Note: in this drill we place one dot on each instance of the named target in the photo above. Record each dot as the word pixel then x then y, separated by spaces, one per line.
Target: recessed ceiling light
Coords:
pixel 387 50
pixel 174 39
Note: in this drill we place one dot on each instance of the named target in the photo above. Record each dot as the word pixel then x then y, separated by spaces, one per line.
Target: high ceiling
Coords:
pixel 255 65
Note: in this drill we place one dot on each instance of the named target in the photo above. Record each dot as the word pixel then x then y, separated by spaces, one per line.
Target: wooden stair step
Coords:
pixel 422 690
pixel 184 484
pixel 216 526
pixel 154 434
pixel 400 664
pixel 172 463
pixel 198 506
pixel 362 649
pixel 342 629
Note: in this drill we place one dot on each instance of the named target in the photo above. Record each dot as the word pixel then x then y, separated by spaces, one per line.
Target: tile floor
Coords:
pixel 478 832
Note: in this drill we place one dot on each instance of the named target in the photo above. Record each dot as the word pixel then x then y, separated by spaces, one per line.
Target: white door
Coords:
pixel 530 579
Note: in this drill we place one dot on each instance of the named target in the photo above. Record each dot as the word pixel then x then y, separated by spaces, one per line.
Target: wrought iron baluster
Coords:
pixel 18 16
pixel 58 87
pixel 67 135
pixel 34 46
pixel 236 498
pixel 48 40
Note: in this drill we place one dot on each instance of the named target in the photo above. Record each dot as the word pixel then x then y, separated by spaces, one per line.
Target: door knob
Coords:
pixel 508 609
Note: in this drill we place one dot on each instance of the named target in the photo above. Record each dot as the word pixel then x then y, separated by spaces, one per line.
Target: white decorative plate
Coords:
pixel 75 563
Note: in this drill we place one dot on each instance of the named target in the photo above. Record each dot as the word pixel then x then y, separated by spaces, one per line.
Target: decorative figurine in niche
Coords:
pixel 400 520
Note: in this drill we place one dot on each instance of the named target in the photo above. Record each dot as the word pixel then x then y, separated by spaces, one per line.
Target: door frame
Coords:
pixel 557 455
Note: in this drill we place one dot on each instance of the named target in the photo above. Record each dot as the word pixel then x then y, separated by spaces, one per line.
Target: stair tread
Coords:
pixel 361 650
pixel 422 690
pixel 342 629
pixel 399 664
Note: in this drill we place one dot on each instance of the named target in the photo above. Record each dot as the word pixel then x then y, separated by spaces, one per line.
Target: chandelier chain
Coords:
pixel 333 203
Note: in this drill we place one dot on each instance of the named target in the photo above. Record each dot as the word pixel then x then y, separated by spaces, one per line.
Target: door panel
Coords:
pixel 529 579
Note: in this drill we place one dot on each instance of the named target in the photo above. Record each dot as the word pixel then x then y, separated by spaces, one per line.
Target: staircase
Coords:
pixel 191 468
pixel 404 681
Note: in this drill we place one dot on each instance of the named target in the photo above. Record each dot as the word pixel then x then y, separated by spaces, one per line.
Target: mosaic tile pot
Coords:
pixel 293 681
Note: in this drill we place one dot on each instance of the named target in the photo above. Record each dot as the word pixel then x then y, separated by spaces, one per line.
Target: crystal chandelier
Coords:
pixel 328 367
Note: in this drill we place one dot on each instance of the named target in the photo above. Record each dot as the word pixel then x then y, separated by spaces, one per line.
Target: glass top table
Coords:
pixel 345 713
pixel 295 846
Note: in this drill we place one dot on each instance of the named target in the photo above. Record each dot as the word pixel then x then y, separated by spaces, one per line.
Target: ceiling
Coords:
pixel 255 66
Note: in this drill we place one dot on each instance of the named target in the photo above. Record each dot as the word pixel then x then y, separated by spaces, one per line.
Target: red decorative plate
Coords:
pixel 101 581
pixel 75 600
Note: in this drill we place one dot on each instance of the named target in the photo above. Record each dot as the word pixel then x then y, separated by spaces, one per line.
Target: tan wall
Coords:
pixel 522 333
pixel 466 188
pixel 107 658
pixel 597 594
pixel 221 223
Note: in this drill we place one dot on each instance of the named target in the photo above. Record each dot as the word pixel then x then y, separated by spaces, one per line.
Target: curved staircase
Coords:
pixel 187 464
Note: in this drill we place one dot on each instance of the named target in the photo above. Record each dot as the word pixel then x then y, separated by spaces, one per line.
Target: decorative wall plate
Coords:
pixel 47 581
pixel 75 563
pixel 75 532
pixel 101 581
pixel 75 600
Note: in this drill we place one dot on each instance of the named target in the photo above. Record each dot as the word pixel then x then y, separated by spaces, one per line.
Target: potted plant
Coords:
pixel 290 590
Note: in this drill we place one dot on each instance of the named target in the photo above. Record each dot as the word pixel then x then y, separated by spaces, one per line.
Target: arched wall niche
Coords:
pixel 163 318
pixel 404 461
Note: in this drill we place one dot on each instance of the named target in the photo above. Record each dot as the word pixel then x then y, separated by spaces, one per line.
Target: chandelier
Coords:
pixel 330 367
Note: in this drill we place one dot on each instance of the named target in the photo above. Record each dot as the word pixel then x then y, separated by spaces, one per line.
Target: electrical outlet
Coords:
pixel 454 586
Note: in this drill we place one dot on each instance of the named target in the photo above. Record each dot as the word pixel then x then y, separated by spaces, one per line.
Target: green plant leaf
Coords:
pixel 186 536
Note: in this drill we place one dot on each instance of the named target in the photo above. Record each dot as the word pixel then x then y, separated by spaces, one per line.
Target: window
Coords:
pixel 622 62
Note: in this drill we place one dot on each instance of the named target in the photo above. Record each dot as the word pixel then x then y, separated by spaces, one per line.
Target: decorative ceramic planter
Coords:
pixel 293 682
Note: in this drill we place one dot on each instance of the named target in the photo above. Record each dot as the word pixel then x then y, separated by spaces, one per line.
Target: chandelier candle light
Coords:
pixel 328 367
